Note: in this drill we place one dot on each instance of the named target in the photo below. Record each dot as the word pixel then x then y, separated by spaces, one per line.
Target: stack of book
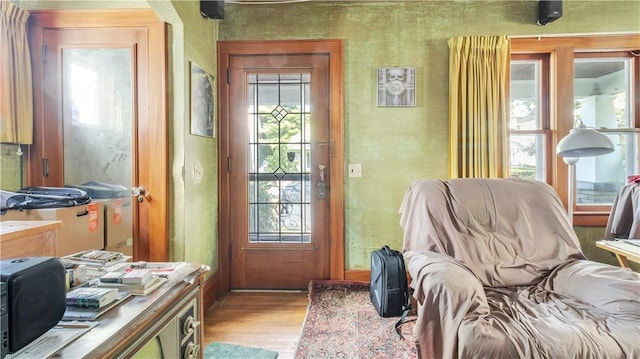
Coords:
pixel 128 276
pixel 137 281
pixel 92 312
pixel 91 297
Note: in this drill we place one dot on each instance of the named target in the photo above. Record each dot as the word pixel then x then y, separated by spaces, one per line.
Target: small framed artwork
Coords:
pixel 202 104
pixel 396 86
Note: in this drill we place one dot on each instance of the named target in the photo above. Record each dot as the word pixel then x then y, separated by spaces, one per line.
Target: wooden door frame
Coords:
pixel 152 221
pixel 228 49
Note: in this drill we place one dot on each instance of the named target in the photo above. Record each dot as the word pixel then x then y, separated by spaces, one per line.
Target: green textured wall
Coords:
pixel 398 145
pixel 11 167
pixel 588 237
pixel 194 159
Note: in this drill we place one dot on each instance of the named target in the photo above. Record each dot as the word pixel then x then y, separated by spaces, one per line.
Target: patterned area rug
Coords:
pixel 217 350
pixel 341 322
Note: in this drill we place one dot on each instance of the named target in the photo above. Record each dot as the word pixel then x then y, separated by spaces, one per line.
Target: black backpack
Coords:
pixel 389 290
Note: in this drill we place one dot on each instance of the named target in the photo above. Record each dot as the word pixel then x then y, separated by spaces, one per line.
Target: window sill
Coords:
pixel 590 219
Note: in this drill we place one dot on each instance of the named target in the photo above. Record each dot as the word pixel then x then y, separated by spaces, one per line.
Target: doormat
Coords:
pixel 217 350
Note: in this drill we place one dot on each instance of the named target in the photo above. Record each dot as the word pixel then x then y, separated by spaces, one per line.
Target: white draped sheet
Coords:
pixel 498 273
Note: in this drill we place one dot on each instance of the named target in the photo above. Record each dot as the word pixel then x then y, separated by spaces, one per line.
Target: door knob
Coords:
pixel 140 193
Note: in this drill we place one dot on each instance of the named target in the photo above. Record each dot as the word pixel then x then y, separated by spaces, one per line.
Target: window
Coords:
pixel 602 93
pixel 529 120
pixel 558 81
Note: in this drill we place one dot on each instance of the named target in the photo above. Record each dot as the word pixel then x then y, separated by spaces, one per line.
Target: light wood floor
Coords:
pixel 269 320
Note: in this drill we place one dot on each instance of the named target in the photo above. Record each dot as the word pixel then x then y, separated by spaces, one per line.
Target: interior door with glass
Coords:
pixel 279 170
pixel 96 114
pixel 93 110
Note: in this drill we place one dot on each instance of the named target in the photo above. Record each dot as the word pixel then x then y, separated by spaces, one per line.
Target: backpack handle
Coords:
pixel 387 250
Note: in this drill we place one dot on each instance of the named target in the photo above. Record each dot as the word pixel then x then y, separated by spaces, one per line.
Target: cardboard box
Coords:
pixel 118 221
pixel 125 247
pixel 82 226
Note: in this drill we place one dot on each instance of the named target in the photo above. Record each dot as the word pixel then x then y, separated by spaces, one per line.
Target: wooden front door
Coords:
pixel 100 113
pixel 276 129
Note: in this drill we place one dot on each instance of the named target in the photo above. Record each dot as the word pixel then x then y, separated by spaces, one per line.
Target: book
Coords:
pixel 91 314
pixel 97 257
pixel 129 276
pixel 91 297
pixel 136 289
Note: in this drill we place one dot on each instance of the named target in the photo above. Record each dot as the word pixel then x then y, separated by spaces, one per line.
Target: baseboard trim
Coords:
pixel 364 275
pixel 211 290
pixel 357 274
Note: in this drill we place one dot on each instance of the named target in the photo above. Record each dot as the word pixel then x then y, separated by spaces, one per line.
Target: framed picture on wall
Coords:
pixel 396 86
pixel 202 102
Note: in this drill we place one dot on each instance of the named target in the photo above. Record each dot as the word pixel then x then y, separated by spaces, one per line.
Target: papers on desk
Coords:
pixel 53 340
pixel 621 246
pixel 635 242
pixel 172 271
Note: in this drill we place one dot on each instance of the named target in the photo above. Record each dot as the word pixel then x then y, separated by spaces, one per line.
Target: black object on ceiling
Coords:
pixel 212 9
pixel 549 11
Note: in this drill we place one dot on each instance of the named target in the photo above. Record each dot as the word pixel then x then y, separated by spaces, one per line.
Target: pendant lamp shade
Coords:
pixel 584 142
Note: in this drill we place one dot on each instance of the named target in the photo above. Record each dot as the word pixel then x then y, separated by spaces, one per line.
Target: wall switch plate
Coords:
pixel 355 170
pixel 198 172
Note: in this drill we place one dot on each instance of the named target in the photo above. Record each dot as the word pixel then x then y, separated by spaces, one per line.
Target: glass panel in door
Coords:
pixel 97 109
pixel 279 158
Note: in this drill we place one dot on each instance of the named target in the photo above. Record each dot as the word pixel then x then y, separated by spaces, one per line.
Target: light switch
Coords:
pixel 198 172
pixel 355 170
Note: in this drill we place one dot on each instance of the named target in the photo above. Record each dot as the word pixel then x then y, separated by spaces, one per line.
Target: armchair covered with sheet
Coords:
pixel 498 272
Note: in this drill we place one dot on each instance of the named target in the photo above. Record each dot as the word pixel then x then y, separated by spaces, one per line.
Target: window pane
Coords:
pixel 526 148
pixel 599 179
pixel 602 100
pixel 525 90
pixel 601 88
pixel 98 121
pixel 527 156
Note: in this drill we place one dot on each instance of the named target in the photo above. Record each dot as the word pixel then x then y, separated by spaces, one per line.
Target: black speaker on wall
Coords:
pixel 212 9
pixel 549 11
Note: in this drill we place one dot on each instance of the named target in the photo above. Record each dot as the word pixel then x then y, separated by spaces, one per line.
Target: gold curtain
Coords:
pixel 479 106
pixel 16 93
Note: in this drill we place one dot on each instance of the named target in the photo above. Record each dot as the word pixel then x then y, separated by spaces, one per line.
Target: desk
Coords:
pixel 28 238
pixel 127 328
pixel 625 252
